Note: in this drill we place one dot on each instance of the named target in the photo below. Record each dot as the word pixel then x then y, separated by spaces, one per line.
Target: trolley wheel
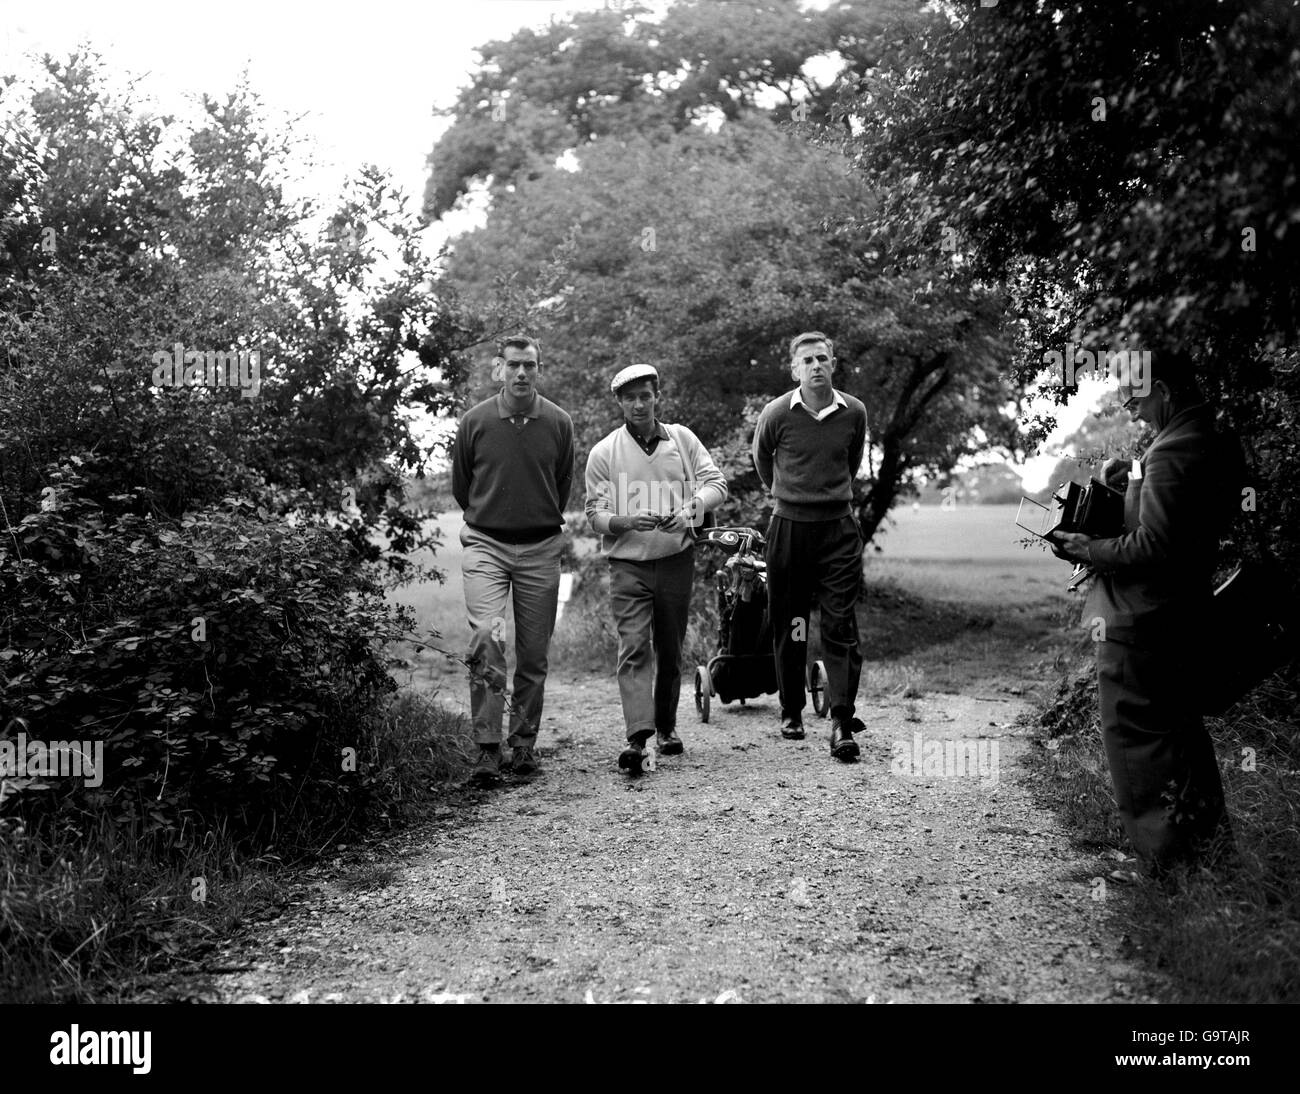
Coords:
pixel 817 688
pixel 703 691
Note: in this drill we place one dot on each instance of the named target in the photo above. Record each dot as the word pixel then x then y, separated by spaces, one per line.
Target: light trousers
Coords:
pixel 528 574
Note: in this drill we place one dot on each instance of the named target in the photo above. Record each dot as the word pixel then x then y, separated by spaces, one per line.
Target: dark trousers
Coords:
pixel 1162 763
pixel 815 562
pixel 651 603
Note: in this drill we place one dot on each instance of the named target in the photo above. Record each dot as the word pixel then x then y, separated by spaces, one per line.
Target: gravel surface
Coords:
pixel 749 869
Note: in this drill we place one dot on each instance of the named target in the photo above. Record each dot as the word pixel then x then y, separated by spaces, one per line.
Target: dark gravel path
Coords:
pixel 750 869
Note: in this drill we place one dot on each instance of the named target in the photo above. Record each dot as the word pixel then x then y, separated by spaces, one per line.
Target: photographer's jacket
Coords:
pixel 1155 579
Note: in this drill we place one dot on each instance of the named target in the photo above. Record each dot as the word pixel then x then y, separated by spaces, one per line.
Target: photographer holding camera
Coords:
pixel 1151 596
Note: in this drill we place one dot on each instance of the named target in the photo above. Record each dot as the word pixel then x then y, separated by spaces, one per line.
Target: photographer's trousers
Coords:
pixel 1162 763
pixel 809 563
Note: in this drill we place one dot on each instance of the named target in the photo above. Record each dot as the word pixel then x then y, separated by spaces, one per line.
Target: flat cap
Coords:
pixel 633 372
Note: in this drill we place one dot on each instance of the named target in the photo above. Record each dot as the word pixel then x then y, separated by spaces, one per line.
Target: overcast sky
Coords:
pixel 363 78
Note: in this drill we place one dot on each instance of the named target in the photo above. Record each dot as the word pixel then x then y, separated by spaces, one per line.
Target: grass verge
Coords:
pixel 89 910
pixel 1231 935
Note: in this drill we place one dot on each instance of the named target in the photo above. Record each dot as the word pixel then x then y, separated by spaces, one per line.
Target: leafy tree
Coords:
pixel 124 233
pixel 611 73
pixel 1123 169
pixel 1106 432
pixel 702 253
pixel 180 575
pixel 985 484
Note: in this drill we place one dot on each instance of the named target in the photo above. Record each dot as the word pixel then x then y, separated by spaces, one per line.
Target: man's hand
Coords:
pixel 1115 472
pixel 1072 546
pixel 638 522
pixel 679 520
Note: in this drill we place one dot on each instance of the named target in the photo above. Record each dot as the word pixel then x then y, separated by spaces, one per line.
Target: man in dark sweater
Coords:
pixel 511 472
pixel 807 449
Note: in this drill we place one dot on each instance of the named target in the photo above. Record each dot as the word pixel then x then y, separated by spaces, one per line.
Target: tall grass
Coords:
pixel 88 908
pixel 1231 934
pixel 86 911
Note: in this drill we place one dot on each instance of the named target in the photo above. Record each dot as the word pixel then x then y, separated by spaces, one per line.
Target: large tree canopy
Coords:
pixel 616 72
pixel 702 254
pixel 125 233
pixel 1124 169
pixel 187 554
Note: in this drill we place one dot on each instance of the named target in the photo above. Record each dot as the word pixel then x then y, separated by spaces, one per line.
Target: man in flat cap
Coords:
pixel 649 486
pixel 511 472
pixel 807 448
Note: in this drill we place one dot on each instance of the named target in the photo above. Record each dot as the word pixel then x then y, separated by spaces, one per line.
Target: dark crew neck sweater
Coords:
pixel 513 480
pixel 809 464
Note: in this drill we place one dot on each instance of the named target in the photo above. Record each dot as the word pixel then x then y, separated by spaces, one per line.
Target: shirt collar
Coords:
pixel 796 399
pixel 660 432
pixel 533 410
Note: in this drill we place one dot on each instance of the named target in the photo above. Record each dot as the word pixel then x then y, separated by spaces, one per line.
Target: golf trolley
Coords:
pixel 745 666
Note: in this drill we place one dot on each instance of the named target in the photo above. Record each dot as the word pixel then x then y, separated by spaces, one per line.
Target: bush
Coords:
pixel 227 661
pixel 164 598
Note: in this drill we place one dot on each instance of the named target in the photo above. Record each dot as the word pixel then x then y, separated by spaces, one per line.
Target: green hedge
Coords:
pixel 227 661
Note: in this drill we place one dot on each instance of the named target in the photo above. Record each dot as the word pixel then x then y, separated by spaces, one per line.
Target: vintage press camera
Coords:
pixel 1091 509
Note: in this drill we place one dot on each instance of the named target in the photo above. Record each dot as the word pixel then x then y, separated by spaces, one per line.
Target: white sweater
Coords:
pixel 623 481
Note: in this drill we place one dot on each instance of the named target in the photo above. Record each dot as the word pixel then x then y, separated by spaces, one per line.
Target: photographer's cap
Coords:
pixel 633 372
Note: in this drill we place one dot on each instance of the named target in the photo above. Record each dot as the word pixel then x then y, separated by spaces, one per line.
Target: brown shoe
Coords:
pixel 487 768
pixel 525 762
pixel 669 743
pixel 632 757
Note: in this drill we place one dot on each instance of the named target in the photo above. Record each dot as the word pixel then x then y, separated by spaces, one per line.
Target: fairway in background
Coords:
pixel 970 602
pixel 969 554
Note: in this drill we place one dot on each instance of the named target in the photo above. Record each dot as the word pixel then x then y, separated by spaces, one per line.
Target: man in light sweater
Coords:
pixel 648 488
pixel 807 448
pixel 511 472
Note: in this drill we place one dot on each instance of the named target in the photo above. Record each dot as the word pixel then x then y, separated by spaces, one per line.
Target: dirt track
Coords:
pixel 750 869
